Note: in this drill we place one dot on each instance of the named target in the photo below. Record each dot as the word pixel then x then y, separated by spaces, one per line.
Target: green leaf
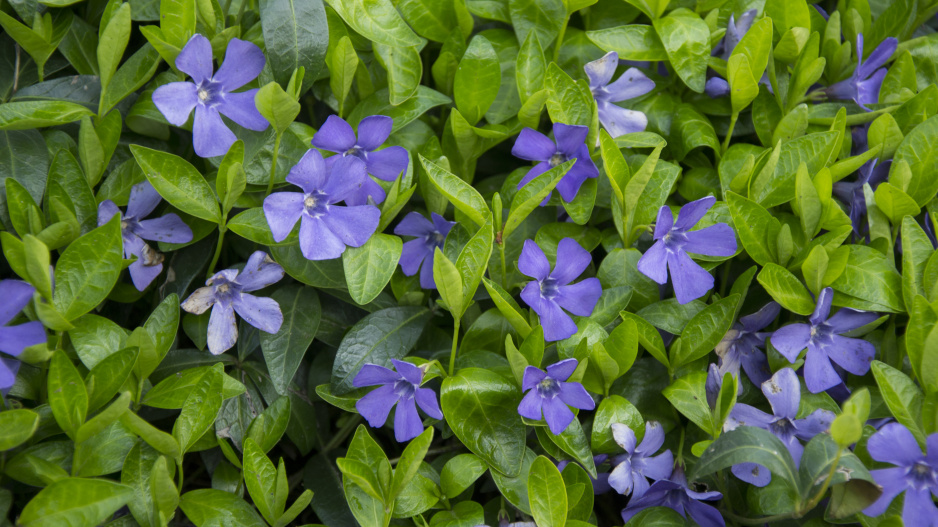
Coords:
pixel 369 268
pixel 449 283
pixel 461 194
pixel 460 472
pixel 922 157
pixel 178 182
pixel 508 307
pixel 343 62
pixel 613 409
pixel 404 68
pixel 473 260
pixel 378 21
pixel 410 461
pixel 208 507
pixel 284 350
pixel 756 227
pixel 648 337
pixel 277 106
pixel 869 281
pixel 568 101
pixel 530 67
pixel 573 441
pixel 547 493
pixel 895 203
pixel 807 203
pixel 38 114
pixel 136 71
pixel 751 445
pixel 631 42
pixel 251 224
pixel 16 426
pixel 231 180
pixel 775 187
pixel 376 339
pixel 691 129
pixel 75 502
pixel 543 17
pixel 787 15
pixel 260 478
pixel 104 419
pixel 200 410
pixel 177 21
pixel 403 114
pixel 529 197
pixel 67 394
pixel 115 35
pixel 688 395
pixel 24 157
pixel 433 20
pixel 705 330
pixel 686 38
pixel 153 436
pixel 481 408
pixel 916 250
pixel 295 36
pixel 785 289
pixel 902 396
pixel 477 79
pixel 171 393
pixel 267 428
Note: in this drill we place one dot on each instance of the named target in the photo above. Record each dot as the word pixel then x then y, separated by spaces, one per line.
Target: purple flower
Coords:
pixel 532 145
pixel 337 136
pixel 601 481
pixel 402 388
pixel 551 290
pixel 211 95
pixel 675 494
pixel 14 339
pixel 825 343
pixel 638 462
pixel 325 228
pixel 741 346
pixel 914 473
pixel 418 253
pixel 735 30
pixel 784 394
pixel 134 229
pixel 873 173
pixel 226 293
pixel 550 394
pixel 631 84
pixel 863 86
pixel 675 240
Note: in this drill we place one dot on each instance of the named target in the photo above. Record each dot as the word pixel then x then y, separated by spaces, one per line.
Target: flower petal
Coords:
pixel 336 135
pixel 373 131
pixel 717 87
pixel 572 260
pixel 705 515
pixel 894 444
pixel 762 318
pixel 376 405
pixel 144 275
pixel 919 508
pixel 823 308
pixel 260 271
pixel 562 370
pixel 624 437
pixel 414 254
pixel 8 369
pixel 169 228
pixel 414 224
pixel 309 173
pixel 222 328
pixel 631 84
pixel 317 242
pixel 569 138
pixel 791 339
pixel 243 63
pixel 693 212
pixel 426 399
pixel 408 371
pixel 818 422
pixel 195 59
pixel 744 415
pixel 601 70
pixel 346 175
pixel 853 355
pixel 664 222
pixel 14 339
pixel 654 263
pixel 532 145
pixel 106 210
pixel 15 294
pixel 175 101
pixel 580 298
pixel 388 163
pixel 282 210
pixel 574 394
pixel 690 280
pixel 407 423
pixel 143 199
pixel 374 375
pixel 621 478
pixel 353 225
pixel 658 467
pixel 715 240
pixel 892 480
pixel 260 312
pixel 533 262
pixel 653 439
pixel 619 121
pixel 532 376
pixel 752 473
pixel 783 391
pixel 557 415
pixel 850 319
pixel 557 324
pixel 211 137
pixel 530 406
pixel 819 373
pixel 240 108
pixel 878 57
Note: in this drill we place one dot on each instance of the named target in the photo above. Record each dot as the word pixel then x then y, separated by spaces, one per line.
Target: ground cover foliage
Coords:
pixel 468 262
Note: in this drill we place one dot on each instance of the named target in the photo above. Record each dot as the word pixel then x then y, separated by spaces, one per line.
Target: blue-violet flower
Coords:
pixel 639 462
pixel 741 346
pixel 675 494
pixel 401 387
pixel 735 30
pixel 631 84
pixel 550 394
pixel 532 145
pixel 418 253
pixel 914 473
pixel 14 339
pixel 863 86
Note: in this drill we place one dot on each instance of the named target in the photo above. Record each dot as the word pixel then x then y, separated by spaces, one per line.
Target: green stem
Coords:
pixel 559 42
pixel 823 490
pixel 501 252
pixel 729 132
pixel 273 164
pixel 179 470
pixel 342 434
pixel 452 353
pixel 221 238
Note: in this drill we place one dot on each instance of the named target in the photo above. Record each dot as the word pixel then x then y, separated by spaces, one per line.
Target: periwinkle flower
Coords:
pixel 735 30
pixel 14 339
pixel 675 240
pixel 386 164
pixel 675 494
pixel 784 394
pixel 401 387
pixel 551 291
pixel 863 86
pixel 418 253
pixel 822 336
pixel 226 292
pixel 741 346
pixel 872 173
pixel 639 462
pixel 134 229
pixel 550 394
pixel 631 84
pixel 326 228
pixel 914 473
pixel 532 145
pixel 213 95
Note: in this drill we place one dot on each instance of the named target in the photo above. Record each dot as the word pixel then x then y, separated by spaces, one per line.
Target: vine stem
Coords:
pixel 452 353
pixel 221 238
pixel 501 252
pixel 273 164
pixel 729 132
pixel 559 44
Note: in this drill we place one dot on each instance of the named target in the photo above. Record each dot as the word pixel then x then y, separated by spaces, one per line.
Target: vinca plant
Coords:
pixel 461 263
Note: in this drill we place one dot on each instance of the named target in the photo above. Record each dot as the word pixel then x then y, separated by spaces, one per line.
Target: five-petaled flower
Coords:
pixel 213 95
pixel 675 240
pixel 532 145
pixel 741 346
pixel 134 229
pixel 863 86
pixel 325 227
pixel 401 387
pixel 551 292
pixel 675 494
pixel 639 462
pixel 822 336
pixel 631 84
pixel 550 393
pixel 735 30
pixel 226 292
pixel 784 394
pixel 14 339
pixel 386 164
pixel 914 473
pixel 418 253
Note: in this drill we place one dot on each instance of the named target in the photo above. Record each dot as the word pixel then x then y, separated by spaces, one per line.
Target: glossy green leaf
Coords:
pixel 75 501
pixel 547 493
pixel 369 268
